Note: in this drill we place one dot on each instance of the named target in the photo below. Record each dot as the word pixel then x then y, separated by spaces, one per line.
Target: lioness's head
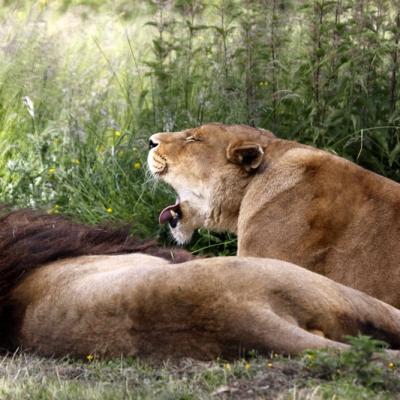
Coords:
pixel 209 167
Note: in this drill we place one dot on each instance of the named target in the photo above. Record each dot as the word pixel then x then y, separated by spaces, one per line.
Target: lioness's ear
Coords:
pixel 248 154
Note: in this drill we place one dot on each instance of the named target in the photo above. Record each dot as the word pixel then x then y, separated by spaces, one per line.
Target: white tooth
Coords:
pixel 173 213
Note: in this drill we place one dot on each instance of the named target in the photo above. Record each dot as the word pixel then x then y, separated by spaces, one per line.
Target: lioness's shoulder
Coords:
pixel 291 154
pixel 322 168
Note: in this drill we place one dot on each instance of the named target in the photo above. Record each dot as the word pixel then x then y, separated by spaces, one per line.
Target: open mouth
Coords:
pixel 171 215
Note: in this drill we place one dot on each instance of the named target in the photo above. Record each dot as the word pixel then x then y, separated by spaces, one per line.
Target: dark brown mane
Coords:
pixel 29 239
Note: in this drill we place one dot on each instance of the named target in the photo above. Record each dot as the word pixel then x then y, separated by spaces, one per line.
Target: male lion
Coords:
pixel 61 303
pixel 284 200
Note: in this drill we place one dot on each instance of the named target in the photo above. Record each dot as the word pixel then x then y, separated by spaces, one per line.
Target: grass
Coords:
pixel 76 111
pixel 311 376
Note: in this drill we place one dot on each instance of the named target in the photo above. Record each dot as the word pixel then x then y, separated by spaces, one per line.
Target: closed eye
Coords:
pixel 193 139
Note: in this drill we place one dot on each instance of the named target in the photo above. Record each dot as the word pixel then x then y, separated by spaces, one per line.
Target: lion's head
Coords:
pixel 209 167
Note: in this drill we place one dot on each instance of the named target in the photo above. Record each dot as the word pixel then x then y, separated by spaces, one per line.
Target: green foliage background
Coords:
pixel 84 83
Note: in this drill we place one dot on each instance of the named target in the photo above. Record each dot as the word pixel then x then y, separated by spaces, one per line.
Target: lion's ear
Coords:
pixel 248 154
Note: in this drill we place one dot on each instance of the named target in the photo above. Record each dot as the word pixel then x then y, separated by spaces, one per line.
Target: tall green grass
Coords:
pixel 83 83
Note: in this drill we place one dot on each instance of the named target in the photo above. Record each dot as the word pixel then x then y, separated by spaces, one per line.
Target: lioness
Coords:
pixel 284 200
pixel 57 303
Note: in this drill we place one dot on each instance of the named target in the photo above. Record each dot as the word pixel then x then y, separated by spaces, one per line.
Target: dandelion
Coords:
pixel 247 366
pixel 137 165
pixel 109 210
pixel 227 366
pixel 51 170
pixel 76 161
pixel 391 365
pixel 117 133
pixel 90 357
pixel 269 365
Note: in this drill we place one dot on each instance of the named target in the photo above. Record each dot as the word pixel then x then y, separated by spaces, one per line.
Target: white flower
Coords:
pixel 29 105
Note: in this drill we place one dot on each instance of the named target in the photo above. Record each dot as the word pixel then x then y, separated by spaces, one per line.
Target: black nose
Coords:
pixel 152 144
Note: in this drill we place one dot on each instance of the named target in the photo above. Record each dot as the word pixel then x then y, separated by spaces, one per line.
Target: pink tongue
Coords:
pixel 166 215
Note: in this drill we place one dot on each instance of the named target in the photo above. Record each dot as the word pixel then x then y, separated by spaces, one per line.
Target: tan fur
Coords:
pixel 286 201
pixel 141 305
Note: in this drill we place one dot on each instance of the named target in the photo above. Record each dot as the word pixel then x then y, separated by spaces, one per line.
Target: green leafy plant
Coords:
pixel 363 364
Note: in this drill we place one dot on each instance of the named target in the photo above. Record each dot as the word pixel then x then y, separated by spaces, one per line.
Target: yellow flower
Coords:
pixel 90 357
pixel 137 165
pixel 391 365
pixel 52 170
pixel 76 161
pixel 247 365
pixel 310 356
pixel 269 365
pixel 109 210
pixel 55 210
pixel 227 366
pixel 117 133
